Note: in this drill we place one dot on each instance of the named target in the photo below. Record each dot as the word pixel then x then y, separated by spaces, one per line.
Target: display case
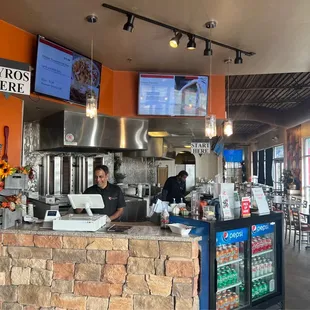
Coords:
pixel 241 261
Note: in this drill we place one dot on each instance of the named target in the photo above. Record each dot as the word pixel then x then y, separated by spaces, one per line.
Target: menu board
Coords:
pixel 65 74
pixel 173 95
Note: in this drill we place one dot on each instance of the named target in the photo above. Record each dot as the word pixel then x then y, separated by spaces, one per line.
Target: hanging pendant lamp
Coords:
pixel 210 120
pixel 228 124
pixel 91 98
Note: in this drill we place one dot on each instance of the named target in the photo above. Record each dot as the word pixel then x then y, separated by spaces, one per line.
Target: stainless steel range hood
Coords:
pixel 157 148
pixel 68 131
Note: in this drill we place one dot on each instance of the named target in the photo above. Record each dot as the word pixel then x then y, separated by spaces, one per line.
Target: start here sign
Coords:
pixel 200 148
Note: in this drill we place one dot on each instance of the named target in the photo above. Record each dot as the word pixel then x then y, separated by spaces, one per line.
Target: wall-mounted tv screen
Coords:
pixel 233 156
pixel 65 74
pixel 173 95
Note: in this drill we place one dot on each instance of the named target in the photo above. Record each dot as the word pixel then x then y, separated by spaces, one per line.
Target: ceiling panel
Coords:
pixel 278 31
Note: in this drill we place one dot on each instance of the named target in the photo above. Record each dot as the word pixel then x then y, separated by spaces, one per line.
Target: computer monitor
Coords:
pixel 87 202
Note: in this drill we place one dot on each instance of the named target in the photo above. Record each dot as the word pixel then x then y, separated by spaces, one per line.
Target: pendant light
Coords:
pixel 228 124
pixel 210 120
pixel 91 99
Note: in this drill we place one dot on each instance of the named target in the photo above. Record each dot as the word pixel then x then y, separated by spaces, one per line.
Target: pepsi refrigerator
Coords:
pixel 241 262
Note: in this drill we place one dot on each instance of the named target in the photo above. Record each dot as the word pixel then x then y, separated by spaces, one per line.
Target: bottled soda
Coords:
pixel 219 280
pixel 235 275
pixel 254 290
pixel 260 288
pixel 254 269
pixel 229 277
pixel 236 300
pixel 224 279
pixel 266 291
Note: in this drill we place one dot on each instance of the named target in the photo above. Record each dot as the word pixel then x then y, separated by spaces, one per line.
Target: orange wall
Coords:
pixel 11 114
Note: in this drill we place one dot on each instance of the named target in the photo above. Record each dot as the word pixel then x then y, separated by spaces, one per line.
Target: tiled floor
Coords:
pixel 297 277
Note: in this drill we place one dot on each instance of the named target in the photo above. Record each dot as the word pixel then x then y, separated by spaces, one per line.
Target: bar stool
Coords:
pixel 288 222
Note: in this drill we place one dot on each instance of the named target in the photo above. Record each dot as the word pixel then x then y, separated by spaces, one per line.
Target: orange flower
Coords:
pixel 3 164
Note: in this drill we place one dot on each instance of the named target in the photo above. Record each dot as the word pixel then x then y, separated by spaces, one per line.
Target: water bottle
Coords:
pixel 164 218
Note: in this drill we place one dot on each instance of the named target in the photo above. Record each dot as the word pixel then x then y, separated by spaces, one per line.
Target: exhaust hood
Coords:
pixel 157 148
pixel 68 131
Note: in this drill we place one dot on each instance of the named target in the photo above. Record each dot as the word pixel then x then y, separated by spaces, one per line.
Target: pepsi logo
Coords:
pixel 254 228
pixel 225 235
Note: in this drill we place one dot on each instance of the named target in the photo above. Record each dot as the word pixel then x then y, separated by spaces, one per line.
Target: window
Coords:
pixel 233 172
pixel 277 167
pixel 306 168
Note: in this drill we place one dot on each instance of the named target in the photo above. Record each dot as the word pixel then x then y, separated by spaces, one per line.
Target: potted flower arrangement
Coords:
pixel 9 205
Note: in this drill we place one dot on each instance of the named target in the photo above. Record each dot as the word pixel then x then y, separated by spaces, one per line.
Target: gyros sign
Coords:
pixel 14 81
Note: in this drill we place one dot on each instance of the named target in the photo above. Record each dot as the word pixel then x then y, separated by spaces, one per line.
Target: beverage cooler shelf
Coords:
pixel 229 286
pixel 263 276
pixel 231 262
pixel 262 253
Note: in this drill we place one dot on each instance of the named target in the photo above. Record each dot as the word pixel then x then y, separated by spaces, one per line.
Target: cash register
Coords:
pixel 82 222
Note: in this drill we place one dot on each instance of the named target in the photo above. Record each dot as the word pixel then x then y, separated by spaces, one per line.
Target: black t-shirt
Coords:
pixel 175 189
pixel 112 196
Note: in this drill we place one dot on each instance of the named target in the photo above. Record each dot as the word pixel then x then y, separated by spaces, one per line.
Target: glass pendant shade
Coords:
pixel 228 127
pixel 210 126
pixel 91 106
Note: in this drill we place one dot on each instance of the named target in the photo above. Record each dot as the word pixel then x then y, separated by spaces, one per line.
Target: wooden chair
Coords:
pixel 299 227
pixel 288 222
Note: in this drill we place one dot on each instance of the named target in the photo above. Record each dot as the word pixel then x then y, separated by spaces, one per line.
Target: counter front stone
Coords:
pixel 44 270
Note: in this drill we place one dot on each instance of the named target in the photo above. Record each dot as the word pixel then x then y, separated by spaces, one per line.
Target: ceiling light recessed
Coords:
pixel 92 18
pixel 158 134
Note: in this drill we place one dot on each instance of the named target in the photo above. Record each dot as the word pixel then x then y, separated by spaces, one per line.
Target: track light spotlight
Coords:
pixel 238 59
pixel 174 42
pixel 191 45
pixel 129 25
pixel 208 50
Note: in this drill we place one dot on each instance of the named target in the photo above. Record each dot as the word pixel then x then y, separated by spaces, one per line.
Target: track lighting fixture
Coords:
pixel 191 45
pixel 179 32
pixel 129 25
pixel 238 59
pixel 208 50
pixel 174 42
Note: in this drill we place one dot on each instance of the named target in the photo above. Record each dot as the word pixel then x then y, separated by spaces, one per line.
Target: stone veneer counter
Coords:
pixel 146 268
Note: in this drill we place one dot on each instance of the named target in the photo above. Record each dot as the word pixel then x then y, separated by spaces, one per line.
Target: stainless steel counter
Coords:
pixel 141 231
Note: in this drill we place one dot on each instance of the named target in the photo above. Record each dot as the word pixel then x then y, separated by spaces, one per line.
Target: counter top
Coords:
pixel 141 231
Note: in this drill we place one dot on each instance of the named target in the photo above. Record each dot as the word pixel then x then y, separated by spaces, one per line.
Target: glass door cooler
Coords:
pixel 241 262
pixel 265 272
pixel 231 269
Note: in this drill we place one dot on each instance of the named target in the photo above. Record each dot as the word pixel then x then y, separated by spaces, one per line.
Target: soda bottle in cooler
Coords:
pixel 241 247
pixel 253 243
pixel 226 302
pixel 263 244
pixel 260 288
pixel 266 266
pixel 269 243
pixel 218 253
pixel 254 269
pixel 270 266
pixel 224 253
pixel 254 290
pixel 236 300
pixel 231 300
pixel 219 280
pixel 265 288
pixel 236 252
pixel 229 276
pixel 224 279
pixel 241 269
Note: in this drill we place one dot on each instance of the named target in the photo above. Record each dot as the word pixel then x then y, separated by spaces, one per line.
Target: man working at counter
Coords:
pixel 175 187
pixel 112 195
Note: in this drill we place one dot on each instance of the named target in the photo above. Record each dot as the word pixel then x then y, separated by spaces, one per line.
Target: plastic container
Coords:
pixel 180 229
